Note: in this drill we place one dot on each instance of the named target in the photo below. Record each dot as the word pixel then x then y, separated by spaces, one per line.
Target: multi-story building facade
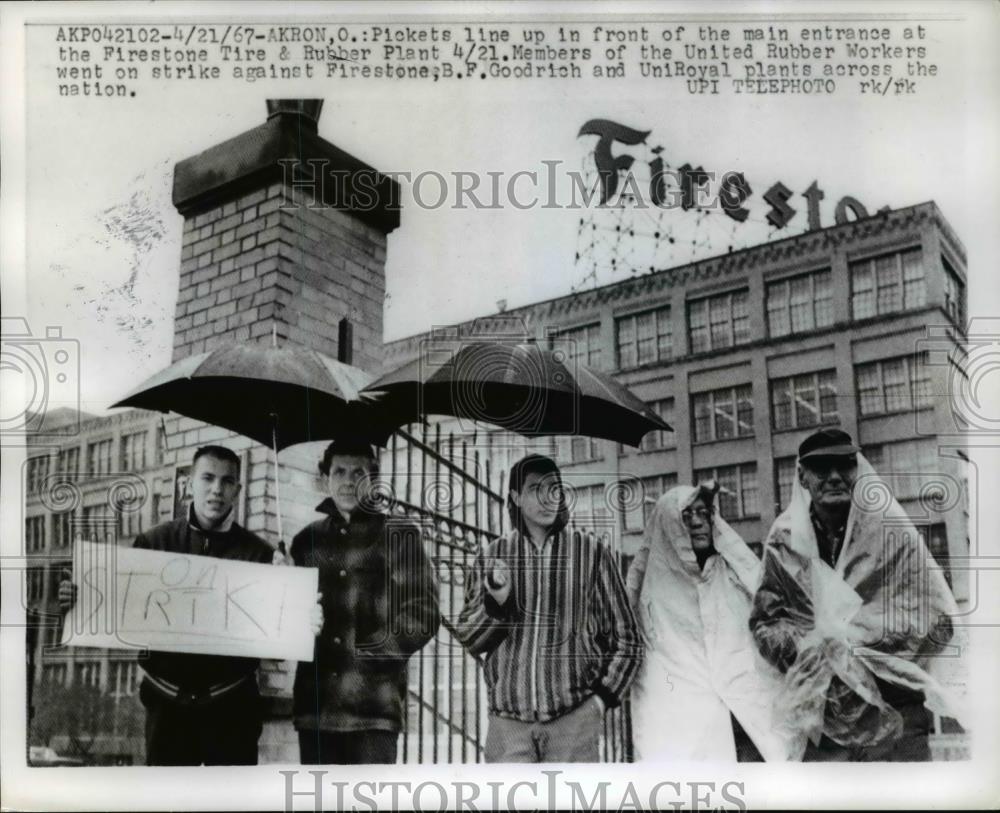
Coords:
pixel 747 353
pixel 106 484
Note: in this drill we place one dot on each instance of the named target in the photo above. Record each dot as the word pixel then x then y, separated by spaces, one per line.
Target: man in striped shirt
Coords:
pixel 550 613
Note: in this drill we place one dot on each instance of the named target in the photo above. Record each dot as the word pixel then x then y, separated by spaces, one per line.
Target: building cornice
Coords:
pixel 796 247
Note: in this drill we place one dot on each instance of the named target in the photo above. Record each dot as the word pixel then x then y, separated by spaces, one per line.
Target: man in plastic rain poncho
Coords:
pixel 853 609
pixel 692 585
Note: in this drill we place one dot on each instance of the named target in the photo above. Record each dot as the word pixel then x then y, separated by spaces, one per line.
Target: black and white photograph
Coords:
pixel 499 406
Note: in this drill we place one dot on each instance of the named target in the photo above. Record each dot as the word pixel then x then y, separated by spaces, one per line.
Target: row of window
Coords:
pixel 797 402
pixel 880 285
pixel 96 523
pixel 123 678
pixel 132 456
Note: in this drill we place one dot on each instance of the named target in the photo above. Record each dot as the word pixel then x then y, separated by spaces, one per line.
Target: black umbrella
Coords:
pixel 279 396
pixel 521 387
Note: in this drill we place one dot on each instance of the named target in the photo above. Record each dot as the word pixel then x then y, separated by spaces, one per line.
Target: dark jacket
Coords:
pixel 380 605
pixel 198 672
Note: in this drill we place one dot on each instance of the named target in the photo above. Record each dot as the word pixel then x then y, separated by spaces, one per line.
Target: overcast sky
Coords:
pixel 103 239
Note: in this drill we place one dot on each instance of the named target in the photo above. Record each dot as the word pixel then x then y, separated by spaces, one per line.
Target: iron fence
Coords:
pixel 448 483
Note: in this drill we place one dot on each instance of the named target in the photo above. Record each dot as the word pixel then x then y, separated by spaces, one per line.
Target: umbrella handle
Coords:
pixel 277 480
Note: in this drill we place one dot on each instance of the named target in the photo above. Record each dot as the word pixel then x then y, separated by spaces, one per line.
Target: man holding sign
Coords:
pixel 203 709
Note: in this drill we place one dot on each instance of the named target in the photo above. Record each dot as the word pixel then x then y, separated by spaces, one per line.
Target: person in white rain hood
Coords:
pixel 692 585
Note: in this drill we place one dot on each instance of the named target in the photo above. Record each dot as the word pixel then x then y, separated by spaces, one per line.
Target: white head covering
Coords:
pixel 701 662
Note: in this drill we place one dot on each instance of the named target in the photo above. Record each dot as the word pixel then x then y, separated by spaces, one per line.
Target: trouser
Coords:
pixel 573 737
pixel 911 746
pixel 221 732
pixel 371 747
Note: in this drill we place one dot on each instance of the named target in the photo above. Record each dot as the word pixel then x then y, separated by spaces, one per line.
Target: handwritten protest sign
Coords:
pixel 142 599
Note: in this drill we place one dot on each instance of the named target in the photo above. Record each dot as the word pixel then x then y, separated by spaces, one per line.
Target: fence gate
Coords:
pixel 447 483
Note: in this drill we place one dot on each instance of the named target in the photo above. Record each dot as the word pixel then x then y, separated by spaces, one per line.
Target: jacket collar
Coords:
pixel 327 506
pixel 224 528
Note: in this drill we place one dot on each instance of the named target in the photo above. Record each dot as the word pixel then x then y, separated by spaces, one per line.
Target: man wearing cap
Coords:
pixel 380 603
pixel 853 609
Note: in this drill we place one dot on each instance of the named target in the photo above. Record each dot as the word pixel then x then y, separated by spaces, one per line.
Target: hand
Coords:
pixel 67 593
pixel 600 703
pixel 316 614
pixel 498 580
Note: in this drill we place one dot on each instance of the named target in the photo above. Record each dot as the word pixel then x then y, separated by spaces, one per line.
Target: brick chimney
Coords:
pixel 283 231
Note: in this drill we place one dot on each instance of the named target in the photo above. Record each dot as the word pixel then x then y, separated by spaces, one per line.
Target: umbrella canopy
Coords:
pixel 276 395
pixel 521 387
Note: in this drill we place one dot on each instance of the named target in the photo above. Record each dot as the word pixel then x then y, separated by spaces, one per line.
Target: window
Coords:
pixel 53 633
pixel 935 537
pixel 642 338
pixel 62 529
pixel 37 472
pixel 886 284
pixel 954 295
pixel 579 449
pixel 125 678
pixel 87 673
pixel 589 504
pixel 133 451
pixel 661 438
pixel 55 674
pixel 69 461
pixel 36 584
pixel 785 473
pixel 893 385
pixel 652 489
pixel 130 519
pixel 506 448
pixel 98 524
pixel 724 413
pixel 738 489
pixel 804 400
pixel 34 534
pixel 800 303
pixel 582 345
pixel 716 322
pixel 99 457
pixel 904 464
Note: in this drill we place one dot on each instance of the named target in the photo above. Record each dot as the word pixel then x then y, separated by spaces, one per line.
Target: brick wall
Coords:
pixel 274 259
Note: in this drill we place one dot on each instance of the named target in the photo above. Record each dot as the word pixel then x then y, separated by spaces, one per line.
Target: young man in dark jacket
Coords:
pixel 380 604
pixel 202 709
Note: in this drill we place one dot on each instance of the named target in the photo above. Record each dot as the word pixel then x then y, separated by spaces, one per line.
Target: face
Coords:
pixel 215 485
pixel 539 499
pixel 348 481
pixel 697 519
pixel 829 480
